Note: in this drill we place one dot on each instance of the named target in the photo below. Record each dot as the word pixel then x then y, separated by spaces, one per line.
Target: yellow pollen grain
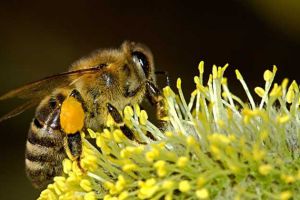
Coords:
pixel 137 109
pixel 86 185
pixel 128 112
pixel 107 197
pixel 190 140
pixel 220 72
pixel 201 67
pixel 268 75
pixel 283 119
pixel 182 161
pixel 100 142
pixel 285 195
pixel 71 116
pixel 92 133
pixel 67 165
pixel 200 181
pixel 265 169
pixel 284 83
pixel 234 168
pixel 109 185
pixel 169 196
pixel 288 178
pixel 178 83
pixel 121 179
pixel 238 75
pixel 106 134
pixel 224 81
pixel 118 135
pixel 194 93
pixel 161 171
pixel 123 195
pixel 50 195
pixel 295 86
pixel 276 91
pixel 90 196
pixel 60 181
pixel 258 154
pixel 129 167
pixel 56 189
pixel 110 121
pixel 147 189
pixel 168 133
pixel 184 186
pixel 152 154
pixel 120 184
pixel 218 138
pixel 274 70
pixel 215 150
pixel 143 117
pixel 202 193
pixel 202 88
pixel 215 72
pixel 159 163
pixel 259 91
pixel 290 95
pixel 197 80
pixel 167 185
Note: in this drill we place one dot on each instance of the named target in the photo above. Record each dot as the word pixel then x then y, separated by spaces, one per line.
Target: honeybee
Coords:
pixel 96 86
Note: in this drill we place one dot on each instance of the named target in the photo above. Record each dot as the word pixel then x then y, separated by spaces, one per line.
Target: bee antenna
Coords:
pixel 165 74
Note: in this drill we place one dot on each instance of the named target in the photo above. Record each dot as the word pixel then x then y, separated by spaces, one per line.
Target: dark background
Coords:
pixel 39 39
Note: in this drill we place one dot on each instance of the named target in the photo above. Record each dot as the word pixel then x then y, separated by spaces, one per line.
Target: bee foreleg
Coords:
pixel 156 98
pixel 165 74
pixel 119 120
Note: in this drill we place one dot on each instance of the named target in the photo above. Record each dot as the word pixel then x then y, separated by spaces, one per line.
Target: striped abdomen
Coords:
pixel 45 143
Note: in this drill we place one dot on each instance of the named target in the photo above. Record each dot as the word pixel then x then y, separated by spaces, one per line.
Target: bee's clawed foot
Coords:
pixel 84 171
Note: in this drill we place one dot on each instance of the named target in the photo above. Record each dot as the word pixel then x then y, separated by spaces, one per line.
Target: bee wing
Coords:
pixel 34 92
pixel 40 88
pixel 18 110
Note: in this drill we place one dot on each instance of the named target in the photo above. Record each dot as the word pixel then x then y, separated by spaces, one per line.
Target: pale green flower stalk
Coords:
pixel 215 147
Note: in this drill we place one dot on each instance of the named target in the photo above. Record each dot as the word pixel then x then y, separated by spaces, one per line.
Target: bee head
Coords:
pixel 124 69
pixel 140 58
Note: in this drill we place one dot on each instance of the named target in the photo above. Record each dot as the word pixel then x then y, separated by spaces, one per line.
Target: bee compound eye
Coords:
pixel 141 59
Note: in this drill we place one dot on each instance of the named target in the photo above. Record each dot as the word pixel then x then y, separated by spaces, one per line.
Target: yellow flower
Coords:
pixel 213 139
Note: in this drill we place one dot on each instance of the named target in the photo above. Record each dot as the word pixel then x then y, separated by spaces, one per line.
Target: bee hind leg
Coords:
pixel 72 122
pixel 73 148
pixel 119 120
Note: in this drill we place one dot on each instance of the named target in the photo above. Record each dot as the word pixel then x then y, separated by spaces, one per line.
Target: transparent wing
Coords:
pixel 46 85
pixel 34 92
pixel 18 110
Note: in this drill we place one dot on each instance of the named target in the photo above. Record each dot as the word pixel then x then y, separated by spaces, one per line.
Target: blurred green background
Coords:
pixel 38 39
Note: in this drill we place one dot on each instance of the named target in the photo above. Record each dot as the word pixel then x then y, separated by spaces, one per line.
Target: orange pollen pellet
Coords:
pixel 71 116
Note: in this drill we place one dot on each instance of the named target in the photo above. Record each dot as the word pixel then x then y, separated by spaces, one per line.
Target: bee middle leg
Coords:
pixel 119 120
